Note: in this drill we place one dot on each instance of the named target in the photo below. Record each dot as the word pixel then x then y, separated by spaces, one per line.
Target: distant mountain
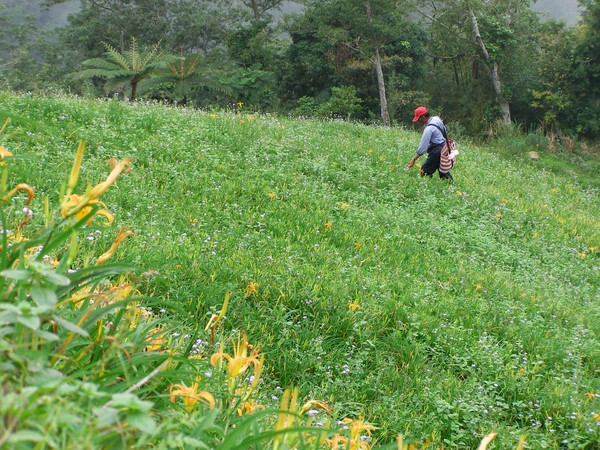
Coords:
pixel 549 9
pixel 558 9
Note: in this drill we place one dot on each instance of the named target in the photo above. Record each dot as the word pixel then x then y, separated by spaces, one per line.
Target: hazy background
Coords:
pixel 556 9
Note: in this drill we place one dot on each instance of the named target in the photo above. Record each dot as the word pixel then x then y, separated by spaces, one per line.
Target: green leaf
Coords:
pixel 50 337
pixel 65 418
pixel 29 321
pixel 59 280
pixel 48 378
pixel 25 436
pixel 106 416
pixel 70 326
pixel 131 402
pixel 43 296
pixel 141 421
pixel 5 330
pixel 16 274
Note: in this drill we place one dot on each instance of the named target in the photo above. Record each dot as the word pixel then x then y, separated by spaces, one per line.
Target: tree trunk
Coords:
pixel 494 73
pixel 385 115
pixel 134 84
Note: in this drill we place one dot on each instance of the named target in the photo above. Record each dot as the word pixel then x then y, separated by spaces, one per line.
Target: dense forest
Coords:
pixel 481 64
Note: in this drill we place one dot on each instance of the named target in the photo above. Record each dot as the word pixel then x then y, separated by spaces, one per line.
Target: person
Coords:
pixel 432 142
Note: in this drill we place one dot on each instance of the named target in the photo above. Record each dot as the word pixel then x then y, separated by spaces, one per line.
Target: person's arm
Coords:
pixel 412 161
pixel 423 146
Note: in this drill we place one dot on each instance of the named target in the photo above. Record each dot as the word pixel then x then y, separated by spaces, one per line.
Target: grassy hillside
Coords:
pixel 440 312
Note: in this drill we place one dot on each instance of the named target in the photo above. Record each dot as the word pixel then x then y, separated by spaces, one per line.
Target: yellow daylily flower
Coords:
pixel 249 407
pixel 20 187
pixel 240 362
pixel 483 445
pixel 76 167
pixel 155 339
pixel 356 429
pixel 312 404
pixel 6 122
pixel 289 417
pixel 353 306
pixel 216 319
pixel 80 207
pixel 336 441
pixel 82 294
pixel 99 189
pixel 286 417
pixel 121 236
pixel 190 395
pixel 4 152
pixel 30 194
pixel 252 288
pixel 113 163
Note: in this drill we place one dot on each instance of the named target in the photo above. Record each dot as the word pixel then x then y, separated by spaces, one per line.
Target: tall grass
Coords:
pixel 397 305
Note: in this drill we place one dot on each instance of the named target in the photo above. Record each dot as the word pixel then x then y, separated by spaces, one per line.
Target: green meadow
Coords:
pixel 437 312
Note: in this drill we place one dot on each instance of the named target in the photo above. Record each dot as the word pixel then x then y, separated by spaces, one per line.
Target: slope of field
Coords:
pixel 438 311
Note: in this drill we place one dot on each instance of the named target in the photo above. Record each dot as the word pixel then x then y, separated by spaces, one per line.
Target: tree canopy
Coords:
pixel 475 61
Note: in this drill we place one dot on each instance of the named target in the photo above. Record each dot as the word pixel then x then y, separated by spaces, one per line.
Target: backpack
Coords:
pixel 449 151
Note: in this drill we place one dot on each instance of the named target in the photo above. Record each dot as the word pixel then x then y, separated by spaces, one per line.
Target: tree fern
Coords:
pixel 126 68
pixel 183 77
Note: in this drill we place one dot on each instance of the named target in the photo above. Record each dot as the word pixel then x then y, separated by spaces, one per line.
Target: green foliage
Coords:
pixel 182 26
pixel 183 79
pixel 439 312
pixel 306 107
pixel 64 380
pixel 250 54
pixel 125 68
pixel 460 83
pixel 333 45
pixel 252 46
pixel 88 362
pixel 566 88
pixel 342 103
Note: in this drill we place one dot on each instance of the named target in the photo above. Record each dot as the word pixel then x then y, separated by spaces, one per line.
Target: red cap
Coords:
pixel 419 112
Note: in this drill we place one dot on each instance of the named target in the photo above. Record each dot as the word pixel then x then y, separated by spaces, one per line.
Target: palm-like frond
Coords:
pixel 153 56
pixel 185 67
pixel 182 77
pixel 133 59
pixel 130 66
pixel 116 56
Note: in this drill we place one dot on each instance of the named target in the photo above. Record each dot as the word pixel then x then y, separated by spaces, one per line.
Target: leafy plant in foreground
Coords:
pixel 66 334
